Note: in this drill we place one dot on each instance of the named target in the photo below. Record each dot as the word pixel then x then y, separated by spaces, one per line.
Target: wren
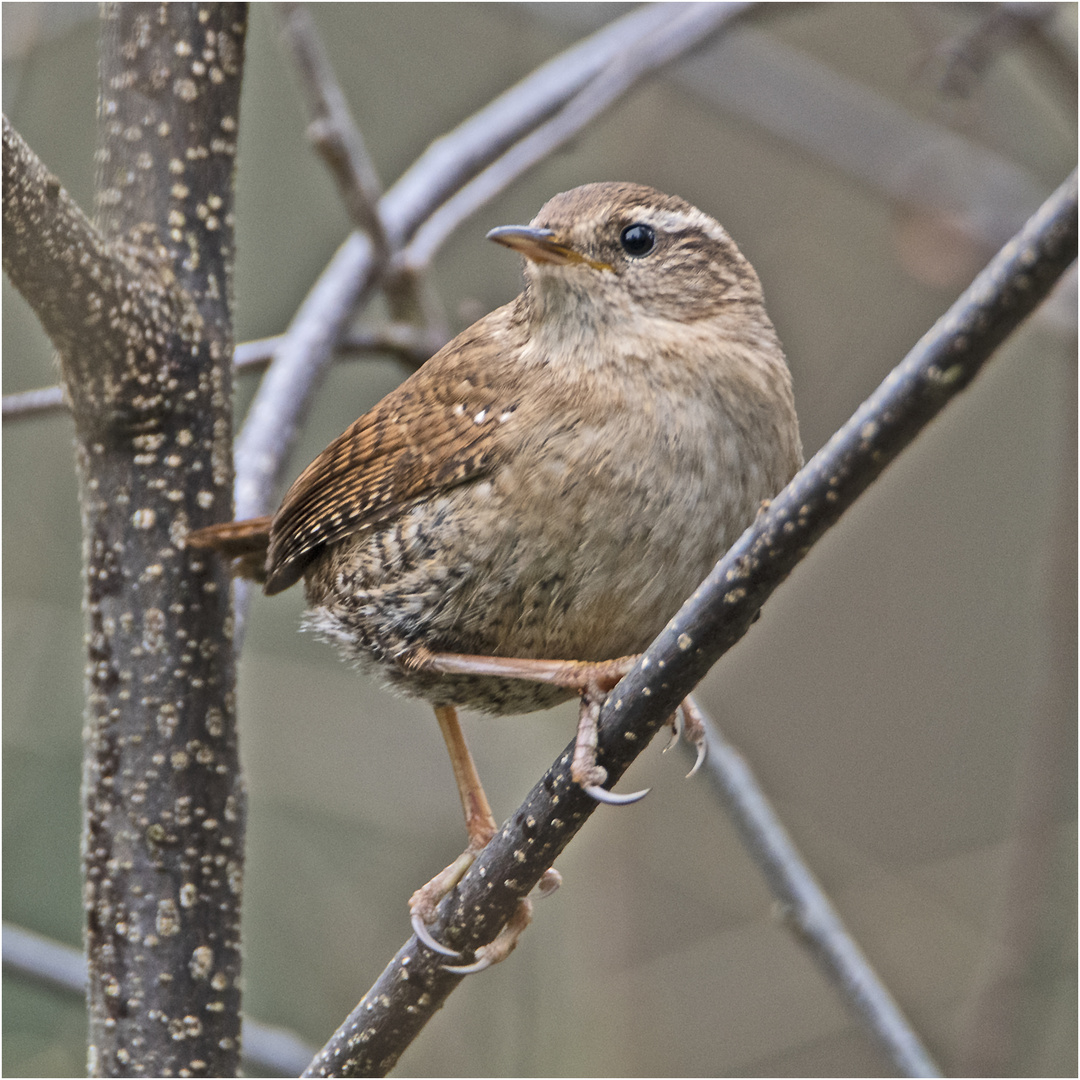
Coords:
pixel 525 513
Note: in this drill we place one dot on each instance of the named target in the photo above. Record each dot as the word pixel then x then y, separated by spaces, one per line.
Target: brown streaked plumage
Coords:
pixel 552 484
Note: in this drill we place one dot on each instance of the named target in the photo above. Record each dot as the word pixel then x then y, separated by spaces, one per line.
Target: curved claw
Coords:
pixel 674 738
pixel 702 754
pixel 469 969
pixel 603 795
pixel 424 934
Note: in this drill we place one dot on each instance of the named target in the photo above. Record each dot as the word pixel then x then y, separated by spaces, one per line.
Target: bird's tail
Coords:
pixel 247 542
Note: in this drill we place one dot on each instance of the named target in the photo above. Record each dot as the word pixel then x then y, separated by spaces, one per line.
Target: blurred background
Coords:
pixel 908 696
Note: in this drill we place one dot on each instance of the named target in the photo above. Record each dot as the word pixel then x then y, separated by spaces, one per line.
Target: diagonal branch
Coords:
pixel 77 282
pixel 60 967
pixel 337 138
pixel 332 129
pixel 414 984
pixel 807 910
pixel 964 59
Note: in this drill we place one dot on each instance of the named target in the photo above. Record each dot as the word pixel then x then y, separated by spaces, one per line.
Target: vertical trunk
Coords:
pixel 163 798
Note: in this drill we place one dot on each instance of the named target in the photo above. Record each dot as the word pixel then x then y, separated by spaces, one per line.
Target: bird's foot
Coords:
pixel 584 770
pixel 424 901
pixel 494 952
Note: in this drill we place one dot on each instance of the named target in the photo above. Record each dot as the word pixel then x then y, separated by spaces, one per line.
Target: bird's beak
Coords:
pixel 542 246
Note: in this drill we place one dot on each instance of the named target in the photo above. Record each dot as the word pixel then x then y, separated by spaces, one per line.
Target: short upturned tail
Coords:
pixel 245 541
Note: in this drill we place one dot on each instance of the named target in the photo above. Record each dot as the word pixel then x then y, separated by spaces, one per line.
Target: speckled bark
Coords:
pixel 139 310
pixel 414 984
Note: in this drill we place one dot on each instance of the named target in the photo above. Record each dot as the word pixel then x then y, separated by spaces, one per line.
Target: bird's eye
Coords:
pixel 638 239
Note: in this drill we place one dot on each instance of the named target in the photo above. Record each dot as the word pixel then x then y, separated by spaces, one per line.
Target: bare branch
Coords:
pixel 856 129
pixel 333 131
pixel 74 280
pixel 414 984
pixel 30 404
pixel 336 136
pixel 61 967
pixel 964 59
pixel 807 910
pixel 412 346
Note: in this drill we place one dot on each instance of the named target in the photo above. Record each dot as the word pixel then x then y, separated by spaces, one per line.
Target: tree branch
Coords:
pixel 87 293
pixel 409 344
pixel 965 58
pixel 337 138
pixel 333 131
pixel 807 910
pixel 414 984
pixel 30 404
pixel 61 967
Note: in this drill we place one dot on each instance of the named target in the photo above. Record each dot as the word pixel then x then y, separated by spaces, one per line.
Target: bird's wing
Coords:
pixel 440 428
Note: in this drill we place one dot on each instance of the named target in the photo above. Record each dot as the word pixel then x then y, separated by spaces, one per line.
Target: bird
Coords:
pixel 517 520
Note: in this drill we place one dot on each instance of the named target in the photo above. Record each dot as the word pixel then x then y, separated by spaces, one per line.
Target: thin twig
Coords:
pixel 336 136
pixel 806 908
pixel 332 130
pixel 404 341
pixel 63 968
pixel 401 340
pixel 414 985
pixel 30 404
pixel 965 58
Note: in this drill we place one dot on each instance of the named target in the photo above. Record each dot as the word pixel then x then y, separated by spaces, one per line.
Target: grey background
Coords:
pixel 885 698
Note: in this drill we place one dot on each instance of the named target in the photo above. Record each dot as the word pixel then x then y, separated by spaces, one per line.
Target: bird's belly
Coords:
pixel 569 575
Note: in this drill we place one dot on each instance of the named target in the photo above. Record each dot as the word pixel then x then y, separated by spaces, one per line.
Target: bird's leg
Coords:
pixel 480 827
pixel 581 675
pixel 593 680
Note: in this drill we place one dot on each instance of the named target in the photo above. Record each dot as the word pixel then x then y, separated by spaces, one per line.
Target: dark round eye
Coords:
pixel 638 239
